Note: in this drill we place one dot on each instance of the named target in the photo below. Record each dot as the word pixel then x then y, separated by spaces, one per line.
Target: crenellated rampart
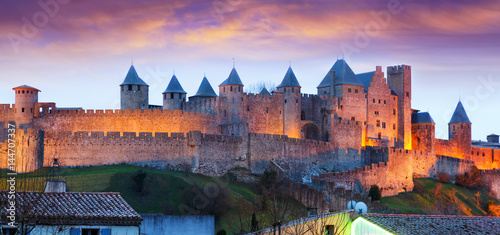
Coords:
pixel 128 120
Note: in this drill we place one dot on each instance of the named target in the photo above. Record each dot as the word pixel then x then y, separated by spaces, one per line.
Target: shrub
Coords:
pixel 375 193
pixel 470 179
pixel 443 177
pixel 221 232
pixel 418 187
pixel 139 179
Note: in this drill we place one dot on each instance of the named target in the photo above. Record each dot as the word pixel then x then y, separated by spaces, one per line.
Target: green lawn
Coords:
pixel 164 191
pixel 430 201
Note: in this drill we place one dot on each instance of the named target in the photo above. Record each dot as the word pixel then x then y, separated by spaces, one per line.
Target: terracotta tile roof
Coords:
pixel 73 208
pixel 435 224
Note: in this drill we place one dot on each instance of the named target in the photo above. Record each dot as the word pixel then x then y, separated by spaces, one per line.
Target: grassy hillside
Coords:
pixel 169 192
pixel 433 197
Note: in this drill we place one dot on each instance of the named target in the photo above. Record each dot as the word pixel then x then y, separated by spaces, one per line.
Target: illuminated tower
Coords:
pixel 174 97
pixel 459 131
pixel 134 92
pixel 232 88
pixel 290 88
pixel 26 97
pixel 399 79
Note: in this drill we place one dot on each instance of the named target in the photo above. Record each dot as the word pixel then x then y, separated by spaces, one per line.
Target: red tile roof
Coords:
pixel 435 224
pixel 72 208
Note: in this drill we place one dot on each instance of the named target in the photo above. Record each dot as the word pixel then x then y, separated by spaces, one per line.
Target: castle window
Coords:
pixel 472 152
pixel 384 102
pixel 394 112
pixel 426 127
pixel 483 154
pixel 231 88
pixel 129 87
pixel 380 135
pixel 394 126
pixel 123 88
pixel 383 124
pixel 349 90
pixel 356 91
pixel 418 127
pixel 379 101
pixel 293 89
pixel 285 101
pixel 477 153
pixel 353 119
pixel 376 113
pixel 324 92
pixel 223 89
pixel 394 98
pixel 23 91
pixel 171 95
pixel 302 115
pixel 267 110
pixel 239 89
pixel 31 110
pixel 285 90
pixel 22 110
pixel 461 126
pixel 241 99
pixel 407 94
pixel 341 107
pixel 296 101
pixel 138 87
pixel 248 108
pixel 18 92
pixel 378 123
pixel 374 101
pixel 453 128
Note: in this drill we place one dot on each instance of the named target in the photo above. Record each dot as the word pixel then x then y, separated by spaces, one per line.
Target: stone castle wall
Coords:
pixel 129 120
pixel 396 174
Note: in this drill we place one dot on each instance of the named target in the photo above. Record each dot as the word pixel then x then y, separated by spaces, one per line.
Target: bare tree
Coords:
pixel 258 86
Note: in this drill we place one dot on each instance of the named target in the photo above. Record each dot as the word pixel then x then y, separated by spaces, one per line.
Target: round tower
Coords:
pixel 232 89
pixel 290 88
pixel 174 97
pixel 459 130
pixel 26 97
pixel 134 92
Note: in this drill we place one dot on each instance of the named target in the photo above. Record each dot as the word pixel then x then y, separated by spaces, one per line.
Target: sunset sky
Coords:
pixel 78 52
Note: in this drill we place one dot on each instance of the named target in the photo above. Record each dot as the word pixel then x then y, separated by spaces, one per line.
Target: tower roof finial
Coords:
pixel 233 63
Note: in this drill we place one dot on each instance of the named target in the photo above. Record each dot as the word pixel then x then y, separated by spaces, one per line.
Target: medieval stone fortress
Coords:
pixel 357 127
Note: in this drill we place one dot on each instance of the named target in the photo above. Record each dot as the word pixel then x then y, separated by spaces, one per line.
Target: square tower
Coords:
pixel 399 79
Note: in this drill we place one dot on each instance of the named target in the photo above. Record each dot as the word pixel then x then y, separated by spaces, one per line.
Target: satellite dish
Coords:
pixel 361 207
pixel 351 205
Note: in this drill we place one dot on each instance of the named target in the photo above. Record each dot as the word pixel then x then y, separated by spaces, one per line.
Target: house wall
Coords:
pixel 154 224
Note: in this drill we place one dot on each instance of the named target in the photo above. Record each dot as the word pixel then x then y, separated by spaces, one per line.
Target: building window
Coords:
pixel 376 113
pixel 231 88
pixel 353 119
pixel 285 101
pixel 378 123
pixel 285 90
pixel 248 108
pixel 223 89
pixel 341 107
pixel 90 231
pixel 324 92
pixel 374 101
pixel 296 101
pixel 394 112
pixel 22 110
pixel 239 89
pixel 472 152
pixel 394 126
pixel 123 88
pixel 380 135
pixel 356 91
pixel 383 124
pixel 453 128
pixel 407 94
pixel 349 90
pixel 483 154
pixel 129 87
pixel 138 87
pixel 23 91
pixel 385 102
pixel 379 101
pixel 293 89
pixel 267 110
